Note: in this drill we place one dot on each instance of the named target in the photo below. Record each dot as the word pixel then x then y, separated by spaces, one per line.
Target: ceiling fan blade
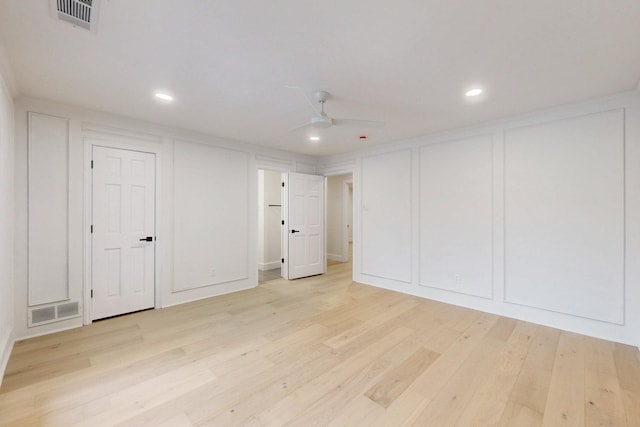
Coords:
pixel 357 122
pixel 300 127
pixel 304 95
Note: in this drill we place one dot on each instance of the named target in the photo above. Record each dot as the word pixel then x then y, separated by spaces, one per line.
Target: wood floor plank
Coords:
pixel 604 401
pixel 355 412
pixel 430 383
pixel 565 401
pixel 396 381
pixel 334 371
pixel 627 362
pixel 488 402
pixel 528 396
pixel 319 351
pixel 447 406
pixel 230 382
pixel 179 420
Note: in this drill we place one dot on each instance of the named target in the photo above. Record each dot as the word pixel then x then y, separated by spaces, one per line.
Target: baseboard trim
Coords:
pixel 265 266
pixel 6 347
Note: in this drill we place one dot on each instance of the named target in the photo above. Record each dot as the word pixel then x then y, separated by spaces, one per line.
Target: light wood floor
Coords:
pixel 268 275
pixel 319 351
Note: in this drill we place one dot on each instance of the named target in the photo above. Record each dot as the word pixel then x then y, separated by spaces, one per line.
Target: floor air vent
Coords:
pixel 53 313
pixel 81 13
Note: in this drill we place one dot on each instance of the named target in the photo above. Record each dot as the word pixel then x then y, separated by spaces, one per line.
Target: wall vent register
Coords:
pixel 80 13
pixel 53 313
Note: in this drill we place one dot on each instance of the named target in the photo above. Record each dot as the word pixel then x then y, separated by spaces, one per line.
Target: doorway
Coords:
pixel 340 218
pixel 269 225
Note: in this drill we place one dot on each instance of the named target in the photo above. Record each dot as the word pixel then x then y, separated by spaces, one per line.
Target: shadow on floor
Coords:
pixel 265 276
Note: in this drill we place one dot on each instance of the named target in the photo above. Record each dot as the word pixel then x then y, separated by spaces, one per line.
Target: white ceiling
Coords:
pixel 406 62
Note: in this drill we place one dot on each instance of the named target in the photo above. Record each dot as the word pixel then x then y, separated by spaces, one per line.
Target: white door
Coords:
pixel 304 225
pixel 123 236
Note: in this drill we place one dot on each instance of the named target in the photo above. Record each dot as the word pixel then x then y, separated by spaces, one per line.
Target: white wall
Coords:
pixel 564 216
pixel 48 245
pixel 210 216
pixel 269 217
pixel 6 224
pixel 385 214
pixel 206 207
pixel 533 217
pixel 456 216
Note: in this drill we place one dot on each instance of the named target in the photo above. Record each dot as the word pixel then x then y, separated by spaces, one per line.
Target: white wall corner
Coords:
pixel 6 346
pixel 7 73
pixel 335 257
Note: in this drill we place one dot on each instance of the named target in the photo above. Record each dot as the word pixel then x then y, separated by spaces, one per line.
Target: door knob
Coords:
pixel 147 239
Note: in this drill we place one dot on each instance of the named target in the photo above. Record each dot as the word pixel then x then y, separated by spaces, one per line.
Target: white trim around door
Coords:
pixel 124 143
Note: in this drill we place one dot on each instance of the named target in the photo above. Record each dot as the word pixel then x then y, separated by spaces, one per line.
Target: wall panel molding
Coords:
pixel 564 216
pixel 386 216
pixel 48 208
pixel 210 217
pixel 456 216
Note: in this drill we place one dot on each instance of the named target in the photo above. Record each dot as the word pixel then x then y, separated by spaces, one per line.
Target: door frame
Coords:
pixel 345 217
pixel 273 165
pixel 284 233
pixel 144 144
pixel 278 171
pixel 344 169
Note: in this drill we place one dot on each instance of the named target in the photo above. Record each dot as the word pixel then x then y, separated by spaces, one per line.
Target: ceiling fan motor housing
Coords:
pixel 321 96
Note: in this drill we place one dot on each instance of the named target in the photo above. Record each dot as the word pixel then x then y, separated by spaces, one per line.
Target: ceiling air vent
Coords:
pixel 81 13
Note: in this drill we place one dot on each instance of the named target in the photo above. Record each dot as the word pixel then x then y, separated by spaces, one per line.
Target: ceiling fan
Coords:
pixel 321 120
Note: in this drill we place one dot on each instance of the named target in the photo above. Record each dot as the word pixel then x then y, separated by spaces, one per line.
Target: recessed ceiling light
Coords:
pixel 473 92
pixel 314 138
pixel 163 96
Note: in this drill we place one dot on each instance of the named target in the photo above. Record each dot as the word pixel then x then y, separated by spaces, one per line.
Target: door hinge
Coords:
pixel 91 164
pixel 283 184
pixel 283 222
pixel 91 293
pixel 282 260
pixel 91 229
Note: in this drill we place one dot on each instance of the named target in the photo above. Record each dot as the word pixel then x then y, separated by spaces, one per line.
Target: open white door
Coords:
pixel 123 231
pixel 304 225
